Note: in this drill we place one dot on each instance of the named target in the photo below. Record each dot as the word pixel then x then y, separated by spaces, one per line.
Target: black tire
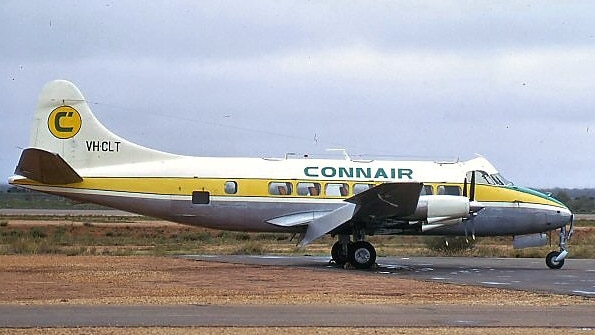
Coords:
pixel 362 255
pixel 338 255
pixel 549 260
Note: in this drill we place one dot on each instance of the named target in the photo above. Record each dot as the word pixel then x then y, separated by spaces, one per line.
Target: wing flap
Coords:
pixel 46 167
pixel 327 223
pixel 296 219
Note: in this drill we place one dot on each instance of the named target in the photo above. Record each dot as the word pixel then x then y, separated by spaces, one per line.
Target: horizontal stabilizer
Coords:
pixel 46 167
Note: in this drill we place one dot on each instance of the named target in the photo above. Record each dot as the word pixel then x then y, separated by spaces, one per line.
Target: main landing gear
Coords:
pixel 555 259
pixel 360 254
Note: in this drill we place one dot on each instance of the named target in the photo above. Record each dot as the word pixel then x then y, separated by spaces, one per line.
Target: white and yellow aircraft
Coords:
pixel 72 154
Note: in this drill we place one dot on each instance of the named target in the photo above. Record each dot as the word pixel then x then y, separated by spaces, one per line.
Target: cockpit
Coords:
pixel 482 177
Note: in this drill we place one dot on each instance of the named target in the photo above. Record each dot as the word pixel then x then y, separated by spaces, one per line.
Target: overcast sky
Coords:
pixel 511 80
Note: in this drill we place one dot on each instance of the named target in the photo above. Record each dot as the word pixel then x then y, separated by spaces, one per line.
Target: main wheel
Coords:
pixel 550 260
pixel 338 254
pixel 362 255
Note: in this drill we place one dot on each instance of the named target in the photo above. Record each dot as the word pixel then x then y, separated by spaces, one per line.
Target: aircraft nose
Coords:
pixel 563 217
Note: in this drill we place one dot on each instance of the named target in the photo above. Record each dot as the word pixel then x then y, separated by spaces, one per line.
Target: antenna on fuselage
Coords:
pixel 344 151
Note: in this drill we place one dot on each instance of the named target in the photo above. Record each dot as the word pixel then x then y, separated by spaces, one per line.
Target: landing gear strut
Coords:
pixel 555 259
pixel 360 254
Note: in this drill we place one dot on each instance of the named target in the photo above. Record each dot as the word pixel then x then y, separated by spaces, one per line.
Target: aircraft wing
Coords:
pixel 386 200
pixel 383 201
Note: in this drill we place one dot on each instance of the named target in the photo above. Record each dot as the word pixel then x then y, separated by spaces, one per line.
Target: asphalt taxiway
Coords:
pixel 577 277
pixel 577 316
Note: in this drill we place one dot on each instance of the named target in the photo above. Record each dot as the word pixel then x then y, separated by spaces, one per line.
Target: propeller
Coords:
pixel 474 206
pixel 472 191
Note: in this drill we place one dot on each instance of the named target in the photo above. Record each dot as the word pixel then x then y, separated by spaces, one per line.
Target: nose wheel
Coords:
pixel 555 259
pixel 551 262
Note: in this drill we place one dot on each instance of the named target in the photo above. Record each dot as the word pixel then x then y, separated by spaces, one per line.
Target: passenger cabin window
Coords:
pixel 336 190
pixel 308 189
pixel 231 187
pixel 200 198
pixel 449 190
pixel 427 190
pixel 280 188
pixel 359 188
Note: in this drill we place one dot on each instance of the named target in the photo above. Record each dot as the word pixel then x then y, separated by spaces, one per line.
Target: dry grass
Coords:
pixel 79 236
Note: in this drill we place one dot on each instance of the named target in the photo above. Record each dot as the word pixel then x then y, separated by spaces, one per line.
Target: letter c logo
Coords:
pixel 64 122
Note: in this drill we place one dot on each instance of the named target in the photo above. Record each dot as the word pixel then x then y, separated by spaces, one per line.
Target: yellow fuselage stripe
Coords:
pixel 260 188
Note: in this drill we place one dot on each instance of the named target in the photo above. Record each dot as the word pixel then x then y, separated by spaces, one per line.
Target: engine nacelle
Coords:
pixel 439 208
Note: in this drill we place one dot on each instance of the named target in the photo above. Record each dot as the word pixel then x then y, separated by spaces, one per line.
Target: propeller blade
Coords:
pixel 472 191
pixel 475 206
pixel 465 187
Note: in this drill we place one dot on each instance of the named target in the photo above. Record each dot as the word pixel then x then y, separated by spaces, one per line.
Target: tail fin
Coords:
pixel 65 125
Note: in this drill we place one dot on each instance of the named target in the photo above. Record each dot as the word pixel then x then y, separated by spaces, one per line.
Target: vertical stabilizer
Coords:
pixel 64 124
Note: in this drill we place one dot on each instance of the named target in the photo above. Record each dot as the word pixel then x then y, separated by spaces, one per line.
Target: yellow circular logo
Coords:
pixel 64 122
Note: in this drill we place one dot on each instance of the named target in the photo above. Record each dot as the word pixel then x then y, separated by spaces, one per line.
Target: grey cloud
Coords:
pixel 236 29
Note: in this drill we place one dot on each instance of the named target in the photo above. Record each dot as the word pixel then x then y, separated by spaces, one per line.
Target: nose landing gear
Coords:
pixel 555 259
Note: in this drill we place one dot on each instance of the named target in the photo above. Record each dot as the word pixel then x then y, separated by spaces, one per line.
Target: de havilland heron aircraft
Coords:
pixel 71 154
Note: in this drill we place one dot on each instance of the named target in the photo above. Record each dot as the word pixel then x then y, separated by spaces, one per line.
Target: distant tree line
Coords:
pixel 14 197
pixel 578 200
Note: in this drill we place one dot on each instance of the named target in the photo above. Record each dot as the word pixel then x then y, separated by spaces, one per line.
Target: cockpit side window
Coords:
pixel 500 180
pixel 481 177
